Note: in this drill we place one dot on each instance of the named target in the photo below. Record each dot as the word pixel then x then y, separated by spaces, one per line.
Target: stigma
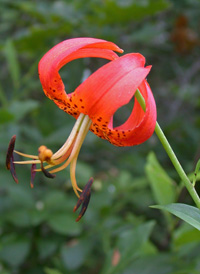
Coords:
pixel 50 163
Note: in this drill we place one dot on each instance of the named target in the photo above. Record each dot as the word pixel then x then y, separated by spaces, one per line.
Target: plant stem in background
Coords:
pixel 3 99
pixel 172 155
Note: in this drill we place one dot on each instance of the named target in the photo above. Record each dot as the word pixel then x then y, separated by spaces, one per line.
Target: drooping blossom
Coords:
pixel 93 105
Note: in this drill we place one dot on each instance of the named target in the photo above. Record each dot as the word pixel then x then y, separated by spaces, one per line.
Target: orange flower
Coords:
pixel 93 104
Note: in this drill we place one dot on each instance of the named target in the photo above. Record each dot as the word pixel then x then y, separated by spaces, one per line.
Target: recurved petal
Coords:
pixel 111 87
pixel 140 125
pixel 65 52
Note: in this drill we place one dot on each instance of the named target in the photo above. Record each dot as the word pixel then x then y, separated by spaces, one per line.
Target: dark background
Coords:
pixel 119 232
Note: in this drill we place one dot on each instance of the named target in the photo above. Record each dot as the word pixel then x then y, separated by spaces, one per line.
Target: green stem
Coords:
pixel 171 155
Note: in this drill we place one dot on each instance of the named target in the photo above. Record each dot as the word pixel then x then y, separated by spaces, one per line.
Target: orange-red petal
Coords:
pixel 140 126
pixel 106 90
pixel 111 87
pixel 63 53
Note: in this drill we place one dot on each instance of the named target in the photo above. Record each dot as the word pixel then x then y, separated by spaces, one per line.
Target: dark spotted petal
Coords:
pixel 84 199
pixel 33 172
pixel 10 158
pixel 46 173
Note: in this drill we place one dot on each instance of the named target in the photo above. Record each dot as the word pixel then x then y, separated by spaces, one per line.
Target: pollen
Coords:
pixel 44 154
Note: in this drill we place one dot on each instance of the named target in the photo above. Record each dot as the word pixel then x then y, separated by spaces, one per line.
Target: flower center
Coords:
pixel 52 163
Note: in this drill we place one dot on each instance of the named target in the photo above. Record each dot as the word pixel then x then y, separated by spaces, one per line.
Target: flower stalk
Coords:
pixel 171 154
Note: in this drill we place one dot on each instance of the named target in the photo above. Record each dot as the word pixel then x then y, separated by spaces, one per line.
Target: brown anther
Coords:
pixel 10 158
pixel 33 172
pixel 47 173
pixel 10 150
pixel 84 199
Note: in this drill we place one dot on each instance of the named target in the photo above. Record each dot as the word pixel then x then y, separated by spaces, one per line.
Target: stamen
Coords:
pixel 10 158
pixel 33 172
pixel 71 137
pixel 68 154
pixel 62 158
pixel 27 162
pixel 57 161
pixel 45 154
pixel 12 170
pixel 46 173
pixel 26 155
pixel 73 177
pixel 84 199
pixel 10 150
pixel 78 143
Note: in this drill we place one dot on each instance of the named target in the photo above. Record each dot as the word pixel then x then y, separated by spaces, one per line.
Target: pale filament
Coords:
pixel 71 137
pixel 26 155
pixel 78 143
pixel 68 152
pixel 73 177
pixel 62 158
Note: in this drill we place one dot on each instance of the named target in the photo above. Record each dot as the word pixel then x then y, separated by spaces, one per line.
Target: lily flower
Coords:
pixel 92 104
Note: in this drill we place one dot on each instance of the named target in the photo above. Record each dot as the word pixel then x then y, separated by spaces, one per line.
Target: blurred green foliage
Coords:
pixel 119 232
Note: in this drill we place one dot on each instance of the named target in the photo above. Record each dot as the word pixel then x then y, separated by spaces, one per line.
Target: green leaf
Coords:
pixel 64 223
pixel 3 98
pixel 19 217
pixel 161 263
pixel 5 116
pixel 20 108
pixel 13 63
pixel 162 185
pixel 74 255
pixel 52 271
pixel 65 202
pixel 46 247
pixel 14 250
pixel 184 235
pixel 187 213
pixel 38 215
pixel 21 196
pixel 126 10
pixel 130 244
